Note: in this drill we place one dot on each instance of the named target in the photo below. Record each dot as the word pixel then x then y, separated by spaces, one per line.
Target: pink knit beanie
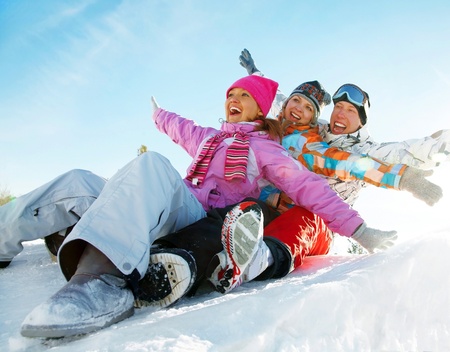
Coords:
pixel 262 89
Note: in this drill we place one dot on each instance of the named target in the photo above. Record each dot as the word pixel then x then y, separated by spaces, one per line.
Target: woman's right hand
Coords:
pixel 155 105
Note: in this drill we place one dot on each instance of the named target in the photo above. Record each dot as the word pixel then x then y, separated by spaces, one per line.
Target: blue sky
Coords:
pixel 76 77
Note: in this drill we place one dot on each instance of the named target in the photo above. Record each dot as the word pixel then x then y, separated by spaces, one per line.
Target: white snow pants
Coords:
pixel 50 208
pixel 145 200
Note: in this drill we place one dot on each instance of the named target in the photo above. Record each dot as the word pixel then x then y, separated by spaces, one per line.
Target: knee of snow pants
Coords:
pixel 303 232
pixel 50 208
pixel 143 201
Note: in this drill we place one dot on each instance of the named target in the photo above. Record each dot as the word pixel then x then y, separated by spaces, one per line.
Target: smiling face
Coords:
pixel 299 111
pixel 344 118
pixel 241 107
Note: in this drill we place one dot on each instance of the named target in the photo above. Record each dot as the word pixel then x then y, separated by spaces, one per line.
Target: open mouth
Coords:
pixel 338 128
pixel 234 111
pixel 296 117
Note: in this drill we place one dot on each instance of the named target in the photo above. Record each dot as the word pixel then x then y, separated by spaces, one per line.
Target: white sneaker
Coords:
pixel 85 304
pixel 242 234
pixel 170 275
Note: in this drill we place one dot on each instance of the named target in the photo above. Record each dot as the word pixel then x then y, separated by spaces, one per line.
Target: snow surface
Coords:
pixel 398 300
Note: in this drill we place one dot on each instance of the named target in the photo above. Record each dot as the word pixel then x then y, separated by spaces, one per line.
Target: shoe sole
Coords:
pixel 180 274
pixel 241 231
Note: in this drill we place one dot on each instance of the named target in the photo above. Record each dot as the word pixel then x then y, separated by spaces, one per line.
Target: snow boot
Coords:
pixel 85 304
pixel 170 275
pixel 283 262
pixel 4 264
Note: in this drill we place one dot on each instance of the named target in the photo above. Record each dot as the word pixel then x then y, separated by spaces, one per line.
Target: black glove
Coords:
pixel 247 62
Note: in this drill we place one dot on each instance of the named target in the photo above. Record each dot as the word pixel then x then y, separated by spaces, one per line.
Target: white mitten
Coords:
pixel 413 180
pixel 372 239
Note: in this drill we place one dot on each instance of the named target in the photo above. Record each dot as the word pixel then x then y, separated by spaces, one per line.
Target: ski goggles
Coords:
pixel 354 95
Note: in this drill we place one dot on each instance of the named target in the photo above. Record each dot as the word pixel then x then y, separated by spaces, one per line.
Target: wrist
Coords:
pixel 359 231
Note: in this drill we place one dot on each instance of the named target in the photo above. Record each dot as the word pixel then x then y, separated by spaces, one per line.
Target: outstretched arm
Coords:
pixel 320 158
pixel 184 132
pixel 247 62
pixel 312 193
pixel 423 153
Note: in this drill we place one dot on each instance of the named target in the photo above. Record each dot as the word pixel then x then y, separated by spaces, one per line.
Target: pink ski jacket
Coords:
pixel 268 162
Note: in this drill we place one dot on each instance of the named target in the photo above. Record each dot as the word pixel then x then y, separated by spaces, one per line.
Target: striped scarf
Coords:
pixel 236 160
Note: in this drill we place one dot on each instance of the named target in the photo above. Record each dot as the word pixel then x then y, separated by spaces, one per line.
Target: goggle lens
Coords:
pixel 354 94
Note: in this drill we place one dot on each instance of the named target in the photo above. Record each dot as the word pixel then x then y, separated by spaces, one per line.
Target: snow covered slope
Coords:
pixel 396 300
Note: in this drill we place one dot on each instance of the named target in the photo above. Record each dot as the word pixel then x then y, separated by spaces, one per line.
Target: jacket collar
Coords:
pixel 244 127
pixel 293 128
pixel 344 140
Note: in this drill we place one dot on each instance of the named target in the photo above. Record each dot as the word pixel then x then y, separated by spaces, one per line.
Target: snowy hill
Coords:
pixel 398 300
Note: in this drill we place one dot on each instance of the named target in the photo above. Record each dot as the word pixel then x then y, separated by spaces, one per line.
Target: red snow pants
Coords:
pixel 303 232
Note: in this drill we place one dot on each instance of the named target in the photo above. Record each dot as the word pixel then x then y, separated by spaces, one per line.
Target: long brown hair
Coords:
pixel 284 123
pixel 272 127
